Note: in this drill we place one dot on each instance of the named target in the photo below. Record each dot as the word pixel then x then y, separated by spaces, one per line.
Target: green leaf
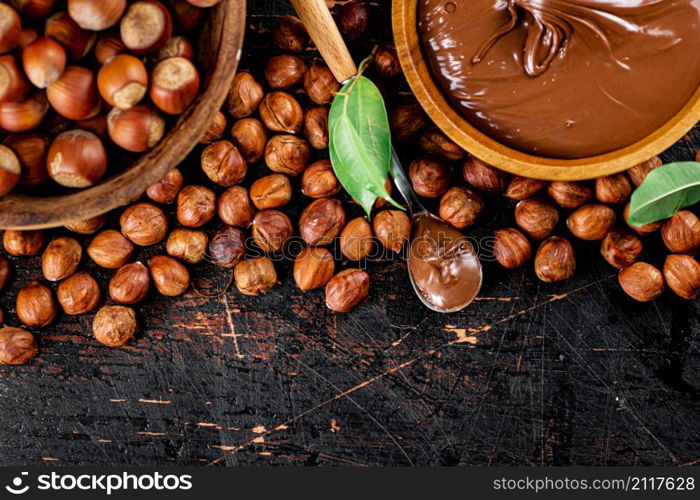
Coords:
pixel 360 141
pixel 665 191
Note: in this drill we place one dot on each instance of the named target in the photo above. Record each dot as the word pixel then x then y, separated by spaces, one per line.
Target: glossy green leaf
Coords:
pixel 665 191
pixel 360 141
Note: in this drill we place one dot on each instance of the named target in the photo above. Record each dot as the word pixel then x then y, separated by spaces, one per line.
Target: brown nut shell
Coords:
pixel 570 195
pixel 392 228
pixel 110 249
pixel 35 305
pixel 144 224
pixel 320 84
pixel 591 222
pixel 271 230
pixel 169 276
pixel 61 258
pixel 114 325
pixel 511 248
pixel 682 273
pixel 681 233
pixel 78 294
pixel 281 112
pixel 321 221
pixel 271 191
pixel 460 206
pixel 245 95
pixel 287 154
pixel 620 248
pixel 641 281
pixel 223 163
pixel 521 188
pixel 235 208
pixel 346 290
pixel 250 137
pixel 227 247
pixel 555 260
pixel 255 276
pixel 166 189
pixel 130 284
pixel 22 243
pixel 430 177
pixel 356 240
pixel 313 268
pixel 196 205
pixel 319 180
pixel 536 217
pixel 17 346
pixel 187 244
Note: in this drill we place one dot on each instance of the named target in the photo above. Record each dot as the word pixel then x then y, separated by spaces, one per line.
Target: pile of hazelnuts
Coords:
pixel 78 77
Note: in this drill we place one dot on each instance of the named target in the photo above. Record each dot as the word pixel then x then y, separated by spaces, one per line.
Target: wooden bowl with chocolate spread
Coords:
pixel 555 89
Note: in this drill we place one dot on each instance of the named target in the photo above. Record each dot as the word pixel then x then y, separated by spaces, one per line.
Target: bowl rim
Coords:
pixel 432 99
pixel 32 213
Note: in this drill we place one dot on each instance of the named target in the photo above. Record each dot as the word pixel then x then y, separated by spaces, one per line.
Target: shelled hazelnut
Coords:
pixel 109 249
pixel 271 230
pixel 386 61
pixel 536 217
pixel 5 272
pixel 196 205
pixel 17 346
pixel 78 294
pixel 174 85
pixel 166 190
pixel 136 129
pixel 287 154
pixel 227 247
pixel 346 290
pixel 114 325
pixel 290 34
pixel 145 27
pixel 511 248
pixel 620 248
pixel 10 170
pixel 435 143
pixel 644 230
pixel 460 206
pixel 319 180
pixel 682 273
pixel 321 221
pixel 255 276
pixel 130 284
pixel 555 260
pixel 353 20
pixel 430 177
pixel 638 173
pixel 521 188
pixel 144 224
pixel 320 84
pixel 43 60
pixel 77 159
pixel 216 129
pixel 392 228
pixel 613 189
pixel 316 126
pixel 187 244
pixel 271 191
pixel 641 281
pixel 235 208
pixel 22 243
pixel 122 81
pixel 313 268
pixel 245 95
pixel 570 195
pixel 407 120
pixel 35 305
pixel 484 177
pixel 250 137
pixel 356 241
pixel 169 276
pixel 223 163
pixel 87 226
pixel 61 258
pixel 681 233
pixel 284 71
pixel 281 112
pixel 591 222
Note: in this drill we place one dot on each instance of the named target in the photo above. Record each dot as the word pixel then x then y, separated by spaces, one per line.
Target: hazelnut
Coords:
pixel 10 170
pixel 642 230
pixel 65 31
pixel 682 273
pixel 216 129
pixel 15 86
pixel 144 224
pixel 24 116
pixel 96 16
pixel 484 177
pixel 380 202
pixel 271 230
pixel 17 346
pixel 638 173
pixel 284 71
pixel 187 245
pixel 613 189
pixel 227 247
pixel 78 294
pixel 681 233
pixel 22 243
pixel 166 189
pixel 536 217
pixel 196 205
pixel 122 81
pixel 10 29
pixel 255 276
pixel 353 20
pixel 244 96
pixel 430 177
pixel 114 325
pixel 130 283
pixel 570 195
pixel 521 188
pixel 386 61
pixel 76 159
pixel 61 258
pixel 146 27
pixel 460 206
pixel 435 143
pixel 320 84
pixel 313 268
pixel 74 94
pixel 591 222
pixel 235 207
pixel 87 226
pixel 108 46
pixel 316 126
pixel 169 276
pixel 136 129
pixel 31 152
pixel 223 163
pixel 250 137
pixel 110 249
pixel 356 241
pixel 35 306
pixel 346 290
pixel 620 248
pixel 511 248
pixel 5 272
pixel 174 85
pixel 321 221
pixel 290 34
pixel 319 180
pixel 392 228
pixel 555 260
pixel 271 191
pixel 287 154
pixel 407 120
pixel 280 112
pixel 177 46
pixel 641 281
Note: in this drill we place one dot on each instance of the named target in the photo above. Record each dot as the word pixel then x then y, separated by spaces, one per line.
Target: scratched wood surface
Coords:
pixel 535 374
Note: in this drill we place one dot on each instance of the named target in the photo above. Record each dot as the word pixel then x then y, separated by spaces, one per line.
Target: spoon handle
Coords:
pixel 404 185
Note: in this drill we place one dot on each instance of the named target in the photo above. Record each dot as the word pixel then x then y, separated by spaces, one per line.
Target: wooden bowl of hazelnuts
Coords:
pixel 100 84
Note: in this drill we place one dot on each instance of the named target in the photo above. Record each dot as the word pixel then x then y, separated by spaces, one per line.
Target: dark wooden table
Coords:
pixel 535 374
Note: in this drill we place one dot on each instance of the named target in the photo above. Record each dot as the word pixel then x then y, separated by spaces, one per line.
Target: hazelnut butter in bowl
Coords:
pixel 551 88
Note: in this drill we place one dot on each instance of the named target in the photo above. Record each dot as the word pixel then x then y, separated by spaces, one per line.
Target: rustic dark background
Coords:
pixel 535 374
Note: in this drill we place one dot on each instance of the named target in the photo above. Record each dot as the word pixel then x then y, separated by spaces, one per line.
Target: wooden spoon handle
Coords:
pixel 324 32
